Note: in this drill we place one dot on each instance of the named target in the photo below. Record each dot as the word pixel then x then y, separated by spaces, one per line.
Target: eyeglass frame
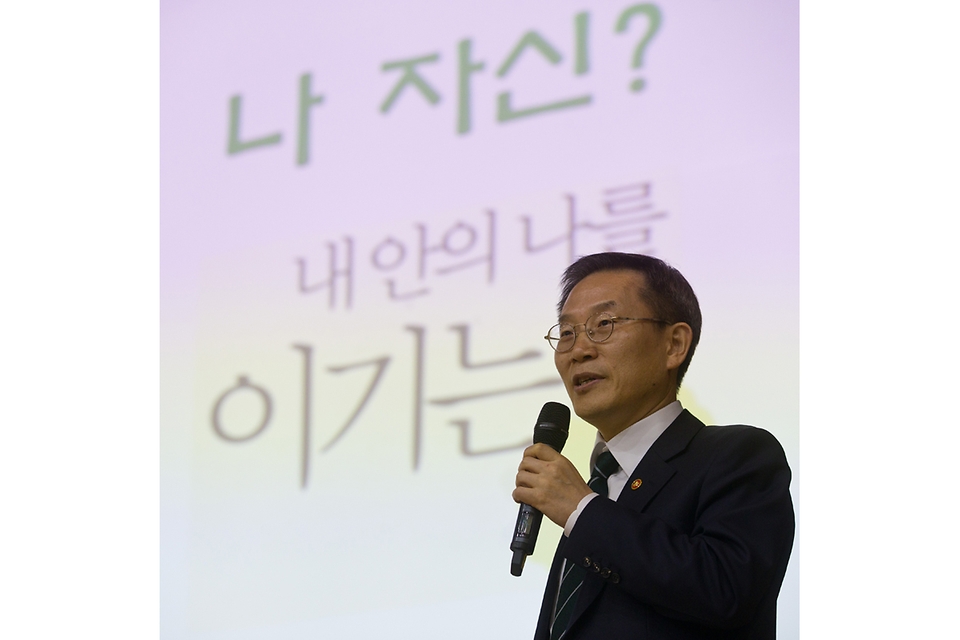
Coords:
pixel 613 319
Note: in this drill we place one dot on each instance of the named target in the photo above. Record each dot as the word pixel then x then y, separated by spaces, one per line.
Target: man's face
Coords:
pixel 615 383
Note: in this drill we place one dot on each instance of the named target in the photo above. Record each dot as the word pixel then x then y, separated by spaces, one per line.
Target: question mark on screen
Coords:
pixel 654 18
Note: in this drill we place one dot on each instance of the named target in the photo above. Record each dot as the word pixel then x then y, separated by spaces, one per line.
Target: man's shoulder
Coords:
pixel 729 436
pixel 738 446
pixel 736 432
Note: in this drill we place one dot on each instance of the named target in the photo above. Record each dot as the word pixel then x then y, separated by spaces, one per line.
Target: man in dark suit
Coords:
pixel 684 530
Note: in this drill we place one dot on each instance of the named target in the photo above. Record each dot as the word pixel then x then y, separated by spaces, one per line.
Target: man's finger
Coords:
pixel 541 451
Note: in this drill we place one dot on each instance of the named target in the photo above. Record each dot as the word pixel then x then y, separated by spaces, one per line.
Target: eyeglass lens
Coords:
pixel 598 328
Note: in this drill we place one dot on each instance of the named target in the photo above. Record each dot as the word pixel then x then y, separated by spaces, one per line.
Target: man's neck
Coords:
pixel 607 433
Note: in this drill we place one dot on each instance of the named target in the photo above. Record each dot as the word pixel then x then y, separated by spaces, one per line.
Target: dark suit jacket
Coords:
pixel 695 546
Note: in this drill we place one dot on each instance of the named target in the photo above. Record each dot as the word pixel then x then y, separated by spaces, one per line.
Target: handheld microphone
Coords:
pixel 552 428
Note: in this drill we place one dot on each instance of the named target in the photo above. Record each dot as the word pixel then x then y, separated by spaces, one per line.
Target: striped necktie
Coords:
pixel 573 573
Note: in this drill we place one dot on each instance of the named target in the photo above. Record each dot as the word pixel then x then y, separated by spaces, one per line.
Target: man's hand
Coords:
pixel 549 482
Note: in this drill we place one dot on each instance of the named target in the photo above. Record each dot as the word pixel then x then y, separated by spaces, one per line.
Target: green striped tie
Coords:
pixel 573 573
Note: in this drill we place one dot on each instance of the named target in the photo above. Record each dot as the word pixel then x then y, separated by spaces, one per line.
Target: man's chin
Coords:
pixel 587 410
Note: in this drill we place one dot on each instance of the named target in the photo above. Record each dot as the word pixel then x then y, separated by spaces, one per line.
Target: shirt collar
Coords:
pixel 630 445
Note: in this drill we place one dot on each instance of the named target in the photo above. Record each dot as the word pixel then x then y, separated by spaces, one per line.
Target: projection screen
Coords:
pixel 365 210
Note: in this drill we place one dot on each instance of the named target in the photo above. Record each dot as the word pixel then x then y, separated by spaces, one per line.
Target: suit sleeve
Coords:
pixel 707 550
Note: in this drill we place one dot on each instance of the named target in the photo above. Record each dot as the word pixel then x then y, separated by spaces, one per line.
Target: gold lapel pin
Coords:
pixel 636 484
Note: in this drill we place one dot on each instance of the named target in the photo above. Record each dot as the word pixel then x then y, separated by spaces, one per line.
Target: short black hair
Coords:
pixel 667 293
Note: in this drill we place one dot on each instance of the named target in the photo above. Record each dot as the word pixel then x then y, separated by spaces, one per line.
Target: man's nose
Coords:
pixel 583 347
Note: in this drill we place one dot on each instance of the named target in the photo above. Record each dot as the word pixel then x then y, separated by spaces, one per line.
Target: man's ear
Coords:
pixel 679 337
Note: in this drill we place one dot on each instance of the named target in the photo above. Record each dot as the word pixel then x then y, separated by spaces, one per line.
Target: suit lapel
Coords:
pixel 654 471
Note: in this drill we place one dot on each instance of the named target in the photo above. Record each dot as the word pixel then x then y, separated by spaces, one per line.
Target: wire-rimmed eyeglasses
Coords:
pixel 598 327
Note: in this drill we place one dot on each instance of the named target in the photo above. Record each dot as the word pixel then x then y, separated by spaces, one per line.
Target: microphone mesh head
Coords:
pixel 553 425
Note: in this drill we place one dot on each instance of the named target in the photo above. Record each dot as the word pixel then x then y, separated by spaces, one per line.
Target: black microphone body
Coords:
pixel 552 428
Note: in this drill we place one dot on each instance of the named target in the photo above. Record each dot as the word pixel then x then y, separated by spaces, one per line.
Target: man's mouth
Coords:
pixel 581 381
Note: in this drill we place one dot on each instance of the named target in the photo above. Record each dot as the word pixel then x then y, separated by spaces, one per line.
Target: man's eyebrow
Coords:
pixel 600 306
